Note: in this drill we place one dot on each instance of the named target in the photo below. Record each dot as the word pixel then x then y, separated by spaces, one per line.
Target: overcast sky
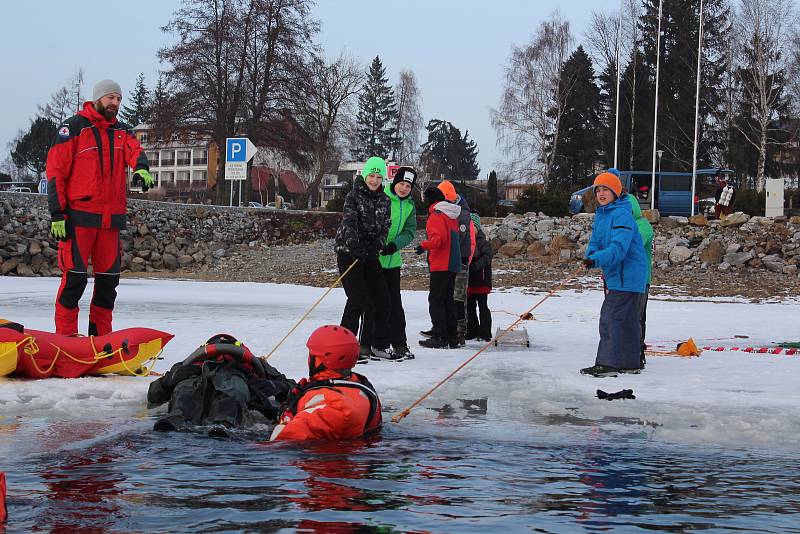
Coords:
pixel 456 48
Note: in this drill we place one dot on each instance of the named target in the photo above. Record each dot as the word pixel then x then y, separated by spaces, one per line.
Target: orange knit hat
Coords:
pixel 609 180
pixel 449 191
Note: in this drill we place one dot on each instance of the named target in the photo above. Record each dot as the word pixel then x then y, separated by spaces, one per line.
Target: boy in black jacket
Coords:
pixel 360 238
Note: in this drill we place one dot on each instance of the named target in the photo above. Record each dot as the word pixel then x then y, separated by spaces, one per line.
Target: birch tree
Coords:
pixel 532 103
pixel 765 28
pixel 409 119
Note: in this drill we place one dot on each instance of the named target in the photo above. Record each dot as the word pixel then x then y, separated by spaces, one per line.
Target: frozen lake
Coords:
pixel 536 447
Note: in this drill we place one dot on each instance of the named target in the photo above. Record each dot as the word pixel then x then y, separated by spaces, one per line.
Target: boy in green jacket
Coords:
pixel 646 231
pixel 402 231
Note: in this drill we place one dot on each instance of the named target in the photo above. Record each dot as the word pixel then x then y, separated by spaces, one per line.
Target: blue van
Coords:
pixel 673 190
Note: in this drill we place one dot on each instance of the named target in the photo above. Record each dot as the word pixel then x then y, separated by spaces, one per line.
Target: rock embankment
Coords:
pixel 756 257
pixel 739 242
pixel 160 236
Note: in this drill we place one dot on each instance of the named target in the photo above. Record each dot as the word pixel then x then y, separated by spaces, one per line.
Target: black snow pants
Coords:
pixel 620 331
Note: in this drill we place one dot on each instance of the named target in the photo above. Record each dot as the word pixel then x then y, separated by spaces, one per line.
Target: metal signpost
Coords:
pixel 238 151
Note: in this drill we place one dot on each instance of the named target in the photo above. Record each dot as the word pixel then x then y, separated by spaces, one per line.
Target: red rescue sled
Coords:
pixel 38 354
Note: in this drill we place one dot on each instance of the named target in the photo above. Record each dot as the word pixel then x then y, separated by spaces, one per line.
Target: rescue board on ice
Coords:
pixel 38 354
pixel 515 338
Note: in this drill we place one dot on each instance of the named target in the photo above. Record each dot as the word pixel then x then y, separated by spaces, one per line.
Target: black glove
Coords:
pixel 264 388
pixel 389 249
pixel 623 394
pixel 420 250
pixel 589 264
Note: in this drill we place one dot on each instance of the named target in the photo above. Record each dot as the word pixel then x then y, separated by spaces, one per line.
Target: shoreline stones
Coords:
pixel 159 235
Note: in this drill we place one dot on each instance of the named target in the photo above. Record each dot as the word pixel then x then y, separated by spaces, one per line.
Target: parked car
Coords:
pixel 19 189
pixel 255 205
pixel 286 206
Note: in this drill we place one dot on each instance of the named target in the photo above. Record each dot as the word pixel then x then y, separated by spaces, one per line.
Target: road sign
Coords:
pixel 391 170
pixel 238 151
pixel 236 170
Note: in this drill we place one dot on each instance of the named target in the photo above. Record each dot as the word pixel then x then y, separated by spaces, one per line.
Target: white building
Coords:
pixel 184 163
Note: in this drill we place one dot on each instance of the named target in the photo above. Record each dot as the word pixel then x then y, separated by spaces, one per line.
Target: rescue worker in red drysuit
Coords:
pixel 87 185
pixel 334 403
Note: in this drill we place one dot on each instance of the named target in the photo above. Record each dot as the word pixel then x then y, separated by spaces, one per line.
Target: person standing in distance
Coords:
pixel 87 197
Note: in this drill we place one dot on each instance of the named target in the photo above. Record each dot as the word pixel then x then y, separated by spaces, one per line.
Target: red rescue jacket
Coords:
pixel 443 245
pixel 86 176
pixel 330 408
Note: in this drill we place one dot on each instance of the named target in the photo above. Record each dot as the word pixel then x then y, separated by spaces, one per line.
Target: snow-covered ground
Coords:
pixel 728 398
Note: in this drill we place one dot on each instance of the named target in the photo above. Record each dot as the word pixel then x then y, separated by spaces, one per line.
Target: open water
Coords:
pixel 458 471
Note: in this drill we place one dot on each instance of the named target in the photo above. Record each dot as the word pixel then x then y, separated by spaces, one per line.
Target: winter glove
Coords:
pixel 623 394
pixel 420 250
pixel 59 229
pixel 147 179
pixel 389 249
pixel 589 264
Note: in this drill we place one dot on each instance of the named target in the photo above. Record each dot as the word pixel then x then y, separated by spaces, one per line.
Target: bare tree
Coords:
pixel 532 103
pixel 323 111
pixel 206 72
pixel 602 40
pixel 279 52
pixel 409 119
pixel 764 28
pixel 65 102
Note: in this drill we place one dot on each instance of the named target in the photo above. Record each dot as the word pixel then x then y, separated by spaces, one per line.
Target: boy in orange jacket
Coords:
pixel 444 262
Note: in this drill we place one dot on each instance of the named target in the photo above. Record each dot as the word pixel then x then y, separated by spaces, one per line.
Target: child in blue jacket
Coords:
pixel 617 248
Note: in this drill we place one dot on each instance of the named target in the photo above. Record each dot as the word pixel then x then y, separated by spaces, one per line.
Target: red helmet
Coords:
pixel 332 347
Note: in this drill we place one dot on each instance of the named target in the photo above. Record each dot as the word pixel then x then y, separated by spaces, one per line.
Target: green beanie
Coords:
pixel 476 219
pixel 374 165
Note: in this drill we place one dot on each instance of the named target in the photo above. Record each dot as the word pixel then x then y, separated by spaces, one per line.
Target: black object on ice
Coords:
pixel 623 394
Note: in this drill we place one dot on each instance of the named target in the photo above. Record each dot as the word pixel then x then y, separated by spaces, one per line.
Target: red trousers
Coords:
pixel 84 244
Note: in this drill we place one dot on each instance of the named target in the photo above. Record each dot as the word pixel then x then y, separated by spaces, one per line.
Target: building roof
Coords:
pixel 263 175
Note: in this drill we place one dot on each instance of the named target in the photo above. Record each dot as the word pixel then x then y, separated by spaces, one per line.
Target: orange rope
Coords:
pixel 397 418
pixel 303 318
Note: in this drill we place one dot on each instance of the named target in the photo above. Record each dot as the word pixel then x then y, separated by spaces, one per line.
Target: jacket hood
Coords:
pixel 635 207
pixel 91 113
pixel 446 208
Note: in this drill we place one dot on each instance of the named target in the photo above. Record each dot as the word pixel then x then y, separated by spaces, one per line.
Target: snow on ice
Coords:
pixel 720 397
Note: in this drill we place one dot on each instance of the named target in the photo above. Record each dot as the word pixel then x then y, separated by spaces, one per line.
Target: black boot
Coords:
pixel 404 351
pixel 600 371
pixel 434 343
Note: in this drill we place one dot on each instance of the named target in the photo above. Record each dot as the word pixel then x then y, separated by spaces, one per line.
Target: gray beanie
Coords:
pixel 105 87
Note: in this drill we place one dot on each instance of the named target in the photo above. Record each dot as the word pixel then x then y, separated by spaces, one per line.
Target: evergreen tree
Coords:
pixel 579 142
pixel 30 150
pixel 491 190
pixel 448 154
pixel 677 81
pixel 376 133
pixel 136 111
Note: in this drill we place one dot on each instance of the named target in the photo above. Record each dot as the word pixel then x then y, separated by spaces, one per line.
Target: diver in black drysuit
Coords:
pixel 221 384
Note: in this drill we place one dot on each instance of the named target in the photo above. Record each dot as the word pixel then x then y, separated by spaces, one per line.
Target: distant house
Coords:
pixel 184 162
pixel 290 186
pixel 512 189
pixel 189 161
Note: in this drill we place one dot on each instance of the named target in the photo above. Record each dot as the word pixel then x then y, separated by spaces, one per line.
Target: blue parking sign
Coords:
pixel 236 150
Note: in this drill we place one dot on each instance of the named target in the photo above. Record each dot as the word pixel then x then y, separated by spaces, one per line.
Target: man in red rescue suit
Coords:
pixel 87 185
pixel 334 403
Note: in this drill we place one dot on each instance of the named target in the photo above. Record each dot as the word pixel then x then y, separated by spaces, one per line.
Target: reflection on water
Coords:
pixel 70 477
